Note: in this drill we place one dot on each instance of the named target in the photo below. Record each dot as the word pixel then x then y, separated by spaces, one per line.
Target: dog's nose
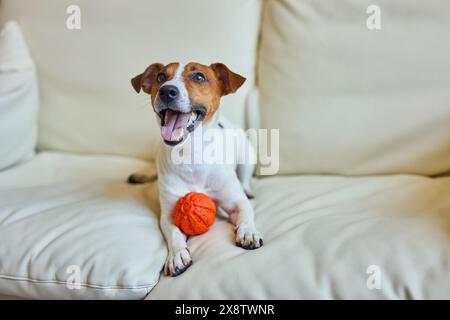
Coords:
pixel 168 93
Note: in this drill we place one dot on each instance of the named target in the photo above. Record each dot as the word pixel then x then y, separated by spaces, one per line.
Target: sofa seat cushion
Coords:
pixel 329 238
pixel 70 227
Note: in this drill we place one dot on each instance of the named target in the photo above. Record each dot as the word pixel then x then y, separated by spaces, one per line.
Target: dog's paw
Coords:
pixel 248 238
pixel 177 262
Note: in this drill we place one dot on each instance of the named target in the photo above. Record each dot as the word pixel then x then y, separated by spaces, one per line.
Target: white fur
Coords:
pixel 220 181
pixel 183 101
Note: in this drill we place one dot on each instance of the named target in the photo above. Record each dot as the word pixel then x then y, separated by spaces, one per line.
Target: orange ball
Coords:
pixel 194 213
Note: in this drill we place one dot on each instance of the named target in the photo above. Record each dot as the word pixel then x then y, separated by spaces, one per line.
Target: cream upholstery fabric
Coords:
pixel 88 104
pixel 350 100
pixel 321 236
pixel 59 212
pixel 18 98
pixel 347 100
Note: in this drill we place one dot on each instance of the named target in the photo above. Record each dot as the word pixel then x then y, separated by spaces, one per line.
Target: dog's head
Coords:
pixel 185 95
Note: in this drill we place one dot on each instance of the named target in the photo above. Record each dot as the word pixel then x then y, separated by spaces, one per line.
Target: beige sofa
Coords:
pixel 360 205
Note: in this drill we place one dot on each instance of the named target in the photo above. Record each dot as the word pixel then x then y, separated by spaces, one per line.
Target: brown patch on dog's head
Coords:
pixel 153 78
pixel 219 81
pixel 147 79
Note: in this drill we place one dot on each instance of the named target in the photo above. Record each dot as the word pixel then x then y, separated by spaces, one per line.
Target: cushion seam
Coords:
pixel 86 285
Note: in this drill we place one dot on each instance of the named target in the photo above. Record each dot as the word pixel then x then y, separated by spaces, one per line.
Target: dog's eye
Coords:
pixel 161 77
pixel 198 77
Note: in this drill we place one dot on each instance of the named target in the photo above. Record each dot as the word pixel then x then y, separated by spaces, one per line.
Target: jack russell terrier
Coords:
pixel 186 97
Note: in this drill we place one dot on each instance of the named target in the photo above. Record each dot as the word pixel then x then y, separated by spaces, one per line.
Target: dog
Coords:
pixel 186 97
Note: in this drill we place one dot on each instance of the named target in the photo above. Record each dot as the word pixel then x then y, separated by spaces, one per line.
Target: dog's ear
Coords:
pixel 146 79
pixel 229 81
pixel 136 82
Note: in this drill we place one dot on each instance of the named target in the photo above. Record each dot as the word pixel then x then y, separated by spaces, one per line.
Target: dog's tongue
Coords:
pixel 174 125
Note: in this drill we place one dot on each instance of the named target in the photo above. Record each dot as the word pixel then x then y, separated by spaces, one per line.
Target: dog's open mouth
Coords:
pixel 175 126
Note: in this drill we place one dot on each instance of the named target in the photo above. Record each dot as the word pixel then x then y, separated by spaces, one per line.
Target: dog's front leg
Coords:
pixel 179 258
pixel 231 197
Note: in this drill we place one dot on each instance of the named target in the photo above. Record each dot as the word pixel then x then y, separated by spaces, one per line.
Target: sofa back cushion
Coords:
pixel 18 98
pixel 353 100
pixel 88 104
